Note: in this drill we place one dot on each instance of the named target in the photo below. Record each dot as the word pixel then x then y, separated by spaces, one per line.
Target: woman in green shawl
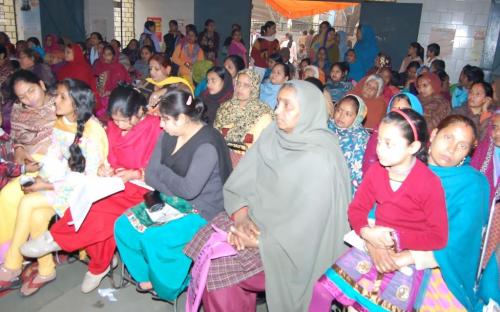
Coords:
pixel 288 199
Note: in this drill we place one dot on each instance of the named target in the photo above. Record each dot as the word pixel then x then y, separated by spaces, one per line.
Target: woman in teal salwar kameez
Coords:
pixel 189 165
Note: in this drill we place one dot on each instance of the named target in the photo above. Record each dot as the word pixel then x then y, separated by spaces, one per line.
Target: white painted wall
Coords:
pixel 28 22
pixel 180 10
pixel 98 16
pixel 467 17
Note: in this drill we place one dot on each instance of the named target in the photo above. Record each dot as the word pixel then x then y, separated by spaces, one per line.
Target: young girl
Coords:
pixel 237 47
pixel 409 215
pixel 347 125
pixel 142 65
pixel 109 73
pixel 269 89
pixel 79 147
pixel 415 54
pixel 338 85
pixel 479 100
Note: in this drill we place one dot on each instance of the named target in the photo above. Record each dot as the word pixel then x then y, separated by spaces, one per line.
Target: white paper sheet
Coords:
pixel 89 191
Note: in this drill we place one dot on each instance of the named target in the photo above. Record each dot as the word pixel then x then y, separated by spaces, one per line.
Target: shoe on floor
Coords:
pixel 92 281
pixel 40 246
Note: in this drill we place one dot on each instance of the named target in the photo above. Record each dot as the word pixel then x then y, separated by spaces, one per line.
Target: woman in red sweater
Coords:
pixel 410 213
pixel 264 47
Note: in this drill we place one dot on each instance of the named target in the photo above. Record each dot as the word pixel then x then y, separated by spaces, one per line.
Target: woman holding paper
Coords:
pixel 189 165
pixel 132 136
pixel 78 148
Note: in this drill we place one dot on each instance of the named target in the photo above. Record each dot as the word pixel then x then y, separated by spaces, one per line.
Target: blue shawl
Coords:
pixel 366 49
pixel 269 93
pixel 337 90
pixel 467 201
pixel 414 102
pixel 342 45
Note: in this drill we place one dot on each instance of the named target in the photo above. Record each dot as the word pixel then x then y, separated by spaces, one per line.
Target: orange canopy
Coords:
pixel 300 8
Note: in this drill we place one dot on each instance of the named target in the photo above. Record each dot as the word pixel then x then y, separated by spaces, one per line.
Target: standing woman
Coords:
pixel 209 40
pixel 366 48
pixel 109 73
pixel 436 107
pixel 186 54
pixel 265 46
pixel 325 39
pixel 189 165
pixel 219 90
pixel 132 136
pixel 78 148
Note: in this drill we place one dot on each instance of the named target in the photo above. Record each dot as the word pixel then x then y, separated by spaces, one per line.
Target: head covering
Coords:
pixel 269 180
pixel 434 81
pixel 213 101
pixel 200 69
pixel 376 106
pixel 366 48
pixel 342 44
pixel 414 103
pixel 242 120
pixel 78 68
pixel 54 46
pixel 353 142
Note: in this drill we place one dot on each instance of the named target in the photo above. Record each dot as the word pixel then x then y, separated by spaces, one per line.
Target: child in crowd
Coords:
pixel 409 215
pixel 356 71
pixel 432 54
pixel 347 124
pixel 338 85
pixel 269 89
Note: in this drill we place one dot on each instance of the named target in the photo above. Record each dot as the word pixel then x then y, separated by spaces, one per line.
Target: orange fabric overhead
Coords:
pixel 298 8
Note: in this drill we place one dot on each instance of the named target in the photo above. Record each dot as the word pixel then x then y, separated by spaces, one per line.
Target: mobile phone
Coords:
pixel 26 181
pixel 153 201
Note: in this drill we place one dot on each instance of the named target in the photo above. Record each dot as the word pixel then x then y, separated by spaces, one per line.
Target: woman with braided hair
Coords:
pixel 79 146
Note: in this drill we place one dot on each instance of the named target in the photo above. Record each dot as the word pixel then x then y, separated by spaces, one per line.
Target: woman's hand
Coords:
pixel 39 185
pixel 402 259
pixel 32 167
pixel 127 174
pixel 21 156
pixel 378 236
pixel 154 100
pixel 105 171
pixel 244 224
pixel 382 259
pixel 241 240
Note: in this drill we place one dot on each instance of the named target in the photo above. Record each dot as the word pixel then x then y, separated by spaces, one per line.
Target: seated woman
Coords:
pixel 347 124
pixel 272 209
pixel 30 60
pixel 338 85
pixel 451 285
pixel 478 108
pixel 78 148
pixel 219 90
pixel 486 159
pixel 77 67
pixel 189 165
pixel 33 115
pixel 109 73
pixel 132 136
pixel 436 107
pixel 370 90
pixel 242 119
pixel 141 66
pixel 160 68
pixel 399 101
pixel 269 88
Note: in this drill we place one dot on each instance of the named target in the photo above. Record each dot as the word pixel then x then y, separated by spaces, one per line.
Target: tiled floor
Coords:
pixel 64 295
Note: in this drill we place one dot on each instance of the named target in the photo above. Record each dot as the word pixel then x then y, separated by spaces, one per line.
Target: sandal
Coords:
pixel 28 270
pixel 14 282
pixel 144 291
pixel 30 286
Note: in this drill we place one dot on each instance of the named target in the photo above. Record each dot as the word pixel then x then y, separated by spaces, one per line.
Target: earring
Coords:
pixel 461 163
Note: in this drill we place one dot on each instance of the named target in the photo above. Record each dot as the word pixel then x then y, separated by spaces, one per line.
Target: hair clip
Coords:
pixel 189 101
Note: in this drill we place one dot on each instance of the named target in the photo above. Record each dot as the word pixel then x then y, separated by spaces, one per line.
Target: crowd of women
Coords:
pixel 244 177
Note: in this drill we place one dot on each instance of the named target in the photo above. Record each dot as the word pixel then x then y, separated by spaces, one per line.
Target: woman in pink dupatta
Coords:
pixel 237 47
pixel 132 136
pixel 109 73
